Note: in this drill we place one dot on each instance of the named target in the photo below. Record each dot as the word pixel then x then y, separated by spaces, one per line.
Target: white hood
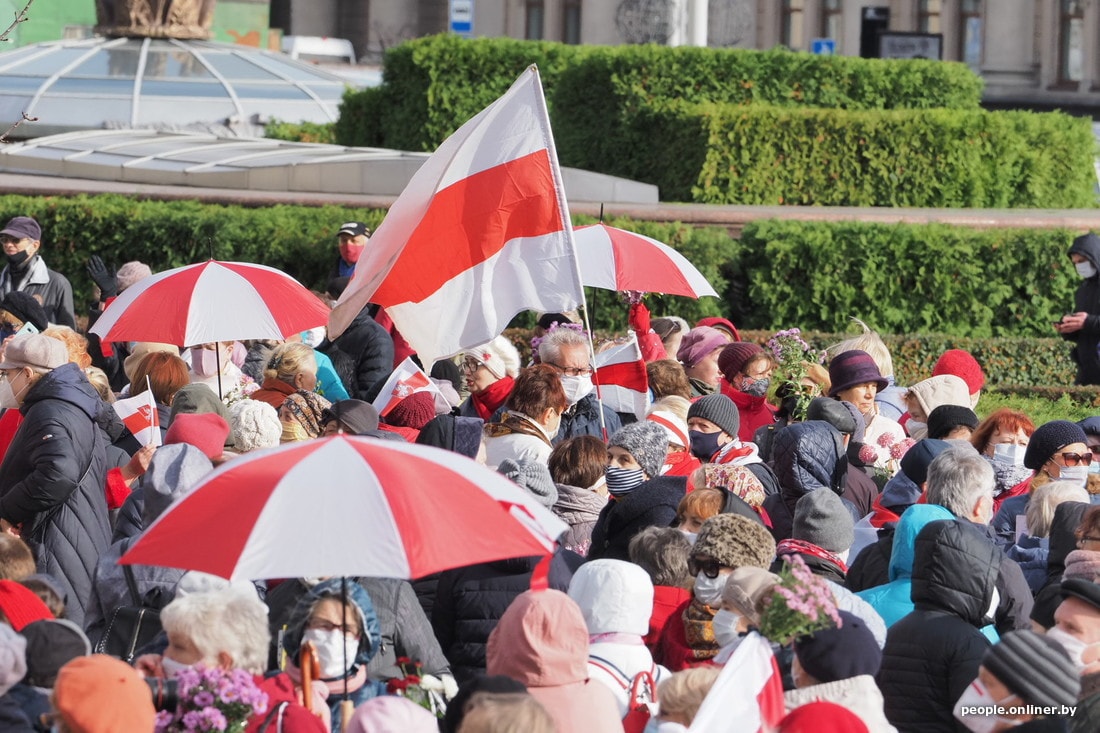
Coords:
pixel 614 596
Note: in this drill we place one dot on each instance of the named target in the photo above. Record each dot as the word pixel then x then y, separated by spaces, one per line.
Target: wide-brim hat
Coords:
pixel 849 368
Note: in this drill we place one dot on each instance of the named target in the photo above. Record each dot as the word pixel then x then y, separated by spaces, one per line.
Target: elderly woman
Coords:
pixel 855 378
pixel 303 416
pixel 698 353
pixel 531 421
pixel 291 368
pixel 1002 438
pixel 227 629
pixel 490 371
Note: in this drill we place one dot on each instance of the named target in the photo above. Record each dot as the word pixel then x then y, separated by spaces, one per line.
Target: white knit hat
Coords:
pixel 254 424
pixel 676 428
pixel 499 356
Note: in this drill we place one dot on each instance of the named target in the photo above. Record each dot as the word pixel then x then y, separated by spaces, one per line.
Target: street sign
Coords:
pixel 462 17
pixel 823 46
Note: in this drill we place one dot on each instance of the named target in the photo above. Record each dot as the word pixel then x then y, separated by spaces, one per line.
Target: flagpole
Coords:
pixel 149 389
pixel 567 221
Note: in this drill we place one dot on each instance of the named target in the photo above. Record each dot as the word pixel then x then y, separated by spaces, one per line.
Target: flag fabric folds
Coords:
pixel 622 379
pixel 481 233
pixel 406 379
pixel 139 415
pixel 748 694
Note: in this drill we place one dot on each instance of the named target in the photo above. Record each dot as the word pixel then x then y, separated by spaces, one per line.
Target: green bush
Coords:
pixel 300 132
pixel 361 115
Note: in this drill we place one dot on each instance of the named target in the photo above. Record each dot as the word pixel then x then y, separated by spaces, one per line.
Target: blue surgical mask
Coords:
pixel 621 481
pixel 703 445
pixel 1077 474
pixel 1010 453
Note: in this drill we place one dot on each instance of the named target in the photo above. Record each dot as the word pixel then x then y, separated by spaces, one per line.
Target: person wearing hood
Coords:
pixel 746 376
pixel 839 665
pixel 962 364
pixel 542 642
pixel 1082 327
pixel 577 467
pixel 640 496
pixel 532 418
pixel 337 617
pixel 490 371
pixel 859 488
pixel 933 653
pixel 51 644
pixel 928 394
pixel 698 352
pixel 808 456
pixel 855 378
pixel 615 598
pixel 713 426
pixel 53 475
pixel 173 472
pixel 744 595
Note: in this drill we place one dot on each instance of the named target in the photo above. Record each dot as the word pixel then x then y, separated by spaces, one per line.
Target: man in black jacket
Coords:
pixel 26 271
pixel 1083 325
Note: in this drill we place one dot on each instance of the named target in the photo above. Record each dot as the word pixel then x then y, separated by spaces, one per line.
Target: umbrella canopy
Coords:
pixel 211 301
pixel 615 259
pixel 347 506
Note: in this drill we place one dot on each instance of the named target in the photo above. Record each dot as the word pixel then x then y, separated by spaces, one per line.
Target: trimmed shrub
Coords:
pixel 300 132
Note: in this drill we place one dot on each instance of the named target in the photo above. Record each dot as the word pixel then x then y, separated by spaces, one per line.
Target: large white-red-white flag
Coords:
pixel 139 415
pixel 621 375
pixel 406 379
pixel 481 233
pixel 747 696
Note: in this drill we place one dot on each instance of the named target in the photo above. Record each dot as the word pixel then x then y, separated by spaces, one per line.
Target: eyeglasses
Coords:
pixel 572 371
pixel 1076 459
pixel 469 367
pixel 322 625
pixel 710 568
pixel 1086 538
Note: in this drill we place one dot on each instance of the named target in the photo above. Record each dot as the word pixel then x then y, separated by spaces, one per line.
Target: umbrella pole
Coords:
pixel 345 712
pixel 218 362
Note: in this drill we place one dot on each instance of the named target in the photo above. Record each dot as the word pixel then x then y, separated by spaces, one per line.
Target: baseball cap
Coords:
pixel 355 228
pixel 23 226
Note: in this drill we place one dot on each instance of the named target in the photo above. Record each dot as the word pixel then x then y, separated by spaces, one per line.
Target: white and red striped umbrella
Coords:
pixel 211 301
pixel 347 506
pixel 615 259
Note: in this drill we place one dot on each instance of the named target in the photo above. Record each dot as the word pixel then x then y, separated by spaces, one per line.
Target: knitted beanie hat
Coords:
pixel 733 358
pixel 746 587
pixel 720 410
pixel 130 273
pixel 963 365
pixel 254 424
pixel 849 368
pixel 1034 667
pixel 1048 439
pixel 24 307
pixel 101 694
pixel 13 658
pixel 674 426
pixel 821 519
pixel 647 442
pixel 532 476
pixel 698 343
pixel 499 356
pixel 20 606
pixel 840 652
pixel 946 418
pixel 735 541
pixel 415 411
pixel 207 431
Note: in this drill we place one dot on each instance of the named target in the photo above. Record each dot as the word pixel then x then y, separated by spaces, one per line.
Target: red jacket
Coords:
pixel 755 411
pixel 666 599
pixel 1021 488
pixel 295 718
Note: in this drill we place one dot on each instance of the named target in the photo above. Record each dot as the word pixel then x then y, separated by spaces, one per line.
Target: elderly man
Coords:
pixel 1077 630
pixel 352 239
pixel 568 352
pixel 26 271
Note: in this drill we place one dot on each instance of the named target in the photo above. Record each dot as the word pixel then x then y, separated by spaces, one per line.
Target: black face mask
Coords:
pixel 18 258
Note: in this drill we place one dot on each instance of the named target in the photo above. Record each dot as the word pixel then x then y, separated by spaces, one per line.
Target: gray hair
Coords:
pixel 663 553
pixel 870 342
pixel 552 343
pixel 232 620
pixel 1045 499
pixel 957 478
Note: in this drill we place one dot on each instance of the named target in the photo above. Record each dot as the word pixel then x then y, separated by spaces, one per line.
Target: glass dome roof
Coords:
pixel 163 83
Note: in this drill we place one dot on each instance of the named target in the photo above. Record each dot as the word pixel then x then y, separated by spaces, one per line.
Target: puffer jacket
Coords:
pixel 469 602
pixel 932 654
pixel 652 504
pixel 1063 541
pixel 579 508
pixel 583 418
pixel 52 481
pixel 370 348
pixel 807 456
pixel 1087 299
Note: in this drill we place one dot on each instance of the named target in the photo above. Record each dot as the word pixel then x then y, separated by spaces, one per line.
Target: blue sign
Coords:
pixel 462 17
pixel 823 46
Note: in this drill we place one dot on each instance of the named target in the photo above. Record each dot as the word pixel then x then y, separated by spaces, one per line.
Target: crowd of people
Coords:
pixel 911 566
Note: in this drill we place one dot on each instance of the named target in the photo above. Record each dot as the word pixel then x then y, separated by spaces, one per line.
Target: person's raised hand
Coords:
pixel 103 276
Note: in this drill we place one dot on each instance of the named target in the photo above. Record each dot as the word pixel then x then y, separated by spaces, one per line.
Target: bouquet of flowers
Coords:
pixel 242 391
pixel 427 691
pixel 213 700
pixel 889 448
pixel 792 354
pixel 800 604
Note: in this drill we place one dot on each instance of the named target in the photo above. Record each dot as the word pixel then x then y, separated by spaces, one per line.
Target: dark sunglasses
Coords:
pixel 709 568
pixel 1076 459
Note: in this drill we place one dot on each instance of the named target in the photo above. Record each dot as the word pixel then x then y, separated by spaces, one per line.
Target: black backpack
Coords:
pixel 131 627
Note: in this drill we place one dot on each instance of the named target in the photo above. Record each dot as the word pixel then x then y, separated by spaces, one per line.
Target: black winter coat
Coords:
pixel 1087 299
pixel 652 504
pixel 370 347
pixel 1063 540
pixel 52 481
pixel 932 654
pixel 871 567
pixel 470 601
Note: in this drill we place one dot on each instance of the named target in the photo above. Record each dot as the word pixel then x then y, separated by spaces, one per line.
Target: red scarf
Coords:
pixel 732 455
pixel 801 547
pixel 489 400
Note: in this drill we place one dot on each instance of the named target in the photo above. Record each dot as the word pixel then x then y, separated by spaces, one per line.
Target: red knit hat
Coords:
pixel 20 605
pixel 962 365
pixel 206 431
pixel 415 411
pixel 733 358
pixel 822 717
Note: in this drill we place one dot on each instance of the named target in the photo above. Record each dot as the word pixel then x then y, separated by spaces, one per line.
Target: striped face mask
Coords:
pixel 622 481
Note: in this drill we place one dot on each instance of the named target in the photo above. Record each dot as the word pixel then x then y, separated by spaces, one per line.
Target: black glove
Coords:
pixel 103 276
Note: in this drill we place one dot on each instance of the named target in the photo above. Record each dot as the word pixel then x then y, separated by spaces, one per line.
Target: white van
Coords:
pixel 319 49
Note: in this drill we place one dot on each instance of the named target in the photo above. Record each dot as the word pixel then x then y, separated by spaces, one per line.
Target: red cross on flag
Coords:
pixel 406 379
pixel 139 415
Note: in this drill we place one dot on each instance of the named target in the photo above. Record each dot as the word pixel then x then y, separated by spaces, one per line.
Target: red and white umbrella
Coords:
pixel 347 506
pixel 211 301
pixel 615 259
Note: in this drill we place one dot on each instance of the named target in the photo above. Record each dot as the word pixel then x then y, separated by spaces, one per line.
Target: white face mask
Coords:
pixel 1009 453
pixel 725 627
pixel 8 400
pixel 171 667
pixel 1074 647
pixel 1077 474
pixel 917 429
pixel 333 647
pixel 576 388
pixel 976 695
pixel 1085 269
pixel 691 536
pixel 709 590
pixel 204 362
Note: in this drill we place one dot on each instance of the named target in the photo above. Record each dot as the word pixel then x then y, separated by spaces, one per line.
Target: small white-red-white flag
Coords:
pixel 139 415
pixel 747 696
pixel 406 379
pixel 622 378
pixel 480 233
